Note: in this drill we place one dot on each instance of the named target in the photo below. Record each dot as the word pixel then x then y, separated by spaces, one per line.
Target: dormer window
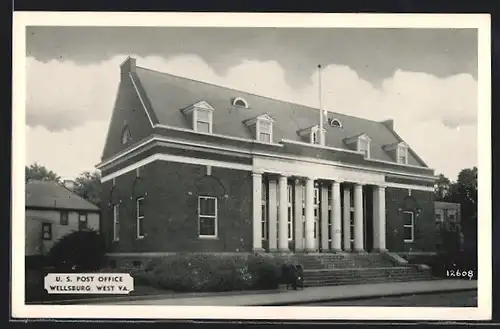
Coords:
pixel 238 101
pixel 312 135
pixel 402 153
pixel 203 122
pixel 360 143
pixel 126 135
pixel 398 151
pixel 201 116
pixel 261 127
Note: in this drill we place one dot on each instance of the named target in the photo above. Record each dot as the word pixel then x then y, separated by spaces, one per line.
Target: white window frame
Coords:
pixel 139 219
pixel 215 216
pixel 258 130
pixel 196 119
pixel 363 140
pixel 412 226
pixel 402 151
pixel 239 99
pixel 116 222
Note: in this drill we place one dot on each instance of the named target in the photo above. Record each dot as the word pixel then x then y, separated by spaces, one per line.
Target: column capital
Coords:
pixel 381 187
pixel 285 175
pixel 257 173
pixel 337 181
pixel 358 185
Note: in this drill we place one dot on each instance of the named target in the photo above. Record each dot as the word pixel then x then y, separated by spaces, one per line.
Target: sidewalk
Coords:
pixel 308 295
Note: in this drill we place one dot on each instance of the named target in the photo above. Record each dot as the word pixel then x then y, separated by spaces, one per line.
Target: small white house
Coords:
pixel 52 211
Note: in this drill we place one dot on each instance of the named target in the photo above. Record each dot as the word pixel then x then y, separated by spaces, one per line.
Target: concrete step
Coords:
pixel 353 276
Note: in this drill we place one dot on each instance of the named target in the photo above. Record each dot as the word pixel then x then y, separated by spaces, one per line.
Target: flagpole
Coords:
pixel 321 137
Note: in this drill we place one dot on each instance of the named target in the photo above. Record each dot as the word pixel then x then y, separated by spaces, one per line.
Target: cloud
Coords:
pixel 436 116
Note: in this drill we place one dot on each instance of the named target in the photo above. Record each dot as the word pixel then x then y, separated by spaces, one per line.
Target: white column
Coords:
pixel 358 217
pixel 257 211
pixel 324 218
pixel 310 241
pixel 283 215
pixel 347 218
pixel 379 218
pixel 273 216
pixel 299 234
pixel 336 218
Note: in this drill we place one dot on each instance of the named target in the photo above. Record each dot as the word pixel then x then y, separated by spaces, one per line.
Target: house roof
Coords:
pixel 48 194
pixel 169 94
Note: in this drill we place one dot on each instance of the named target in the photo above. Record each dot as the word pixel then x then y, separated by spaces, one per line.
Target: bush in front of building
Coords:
pixel 82 250
pixel 211 273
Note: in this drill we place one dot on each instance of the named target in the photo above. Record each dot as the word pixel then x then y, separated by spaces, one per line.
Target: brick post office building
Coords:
pixel 196 167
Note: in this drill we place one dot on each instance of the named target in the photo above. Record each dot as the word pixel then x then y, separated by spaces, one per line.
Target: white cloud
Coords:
pixel 420 104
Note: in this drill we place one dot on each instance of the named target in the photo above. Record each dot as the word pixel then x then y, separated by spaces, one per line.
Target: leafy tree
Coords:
pixel 39 172
pixel 442 188
pixel 88 186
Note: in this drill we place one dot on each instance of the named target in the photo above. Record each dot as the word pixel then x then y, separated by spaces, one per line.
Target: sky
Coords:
pixel 423 79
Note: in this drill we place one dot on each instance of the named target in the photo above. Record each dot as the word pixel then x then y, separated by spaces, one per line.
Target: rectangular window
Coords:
pixel 314 137
pixel 265 132
pixel 64 218
pixel 364 147
pixel 140 217
pixel 402 155
pixel 203 121
pixel 408 226
pixel 207 216
pixel 46 231
pixel 82 221
pixel 116 222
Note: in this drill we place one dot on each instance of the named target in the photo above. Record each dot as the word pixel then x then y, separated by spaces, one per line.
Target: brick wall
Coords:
pixel 171 193
pixel 422 204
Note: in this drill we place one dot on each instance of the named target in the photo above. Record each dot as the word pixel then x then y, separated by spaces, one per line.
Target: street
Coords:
pixel 451 299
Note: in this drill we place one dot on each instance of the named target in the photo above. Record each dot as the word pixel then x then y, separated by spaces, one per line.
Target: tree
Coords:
pixel 442 188
pixel 39 172
pixel 88 186
pixel 464 191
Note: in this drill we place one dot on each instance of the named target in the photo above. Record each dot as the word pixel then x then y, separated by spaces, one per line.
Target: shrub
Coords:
pixel 78 251
pixel 204 272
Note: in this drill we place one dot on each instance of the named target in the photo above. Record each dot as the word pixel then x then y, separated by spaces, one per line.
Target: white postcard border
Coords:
pixel 480 21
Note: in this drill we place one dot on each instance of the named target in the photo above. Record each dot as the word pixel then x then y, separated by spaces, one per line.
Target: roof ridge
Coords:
pixel 255 95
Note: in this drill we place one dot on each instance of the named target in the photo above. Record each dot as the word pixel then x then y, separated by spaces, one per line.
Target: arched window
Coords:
pixel 335 123
pixel 126 135
pixel 238 101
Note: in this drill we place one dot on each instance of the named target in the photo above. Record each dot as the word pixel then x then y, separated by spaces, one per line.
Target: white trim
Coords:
pixel 240 99
pixel 400 164
pixel 265 117
pixel 175 158
pixel 289 141
pixel 404 149
pixel 331 121
pixel 248 140
pixel 412 226
pixel 368 146
pixel 275 156
pixel 116 220
pixel 408 186
pixel 138 218
pixel 214 217
pixel 140 98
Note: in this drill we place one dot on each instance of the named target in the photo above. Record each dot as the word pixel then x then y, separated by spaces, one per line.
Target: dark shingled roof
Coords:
pixel 48 194
pixel 169 94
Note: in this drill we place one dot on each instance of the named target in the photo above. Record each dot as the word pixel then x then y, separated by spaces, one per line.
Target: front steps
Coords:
pixel 342 269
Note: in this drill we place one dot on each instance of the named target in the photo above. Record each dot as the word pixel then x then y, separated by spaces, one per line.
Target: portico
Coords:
pixel 306 213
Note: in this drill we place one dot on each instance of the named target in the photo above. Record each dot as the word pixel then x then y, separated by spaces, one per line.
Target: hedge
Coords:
pixel 210 273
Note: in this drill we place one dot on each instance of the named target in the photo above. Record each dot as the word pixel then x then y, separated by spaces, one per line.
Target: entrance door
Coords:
pixel 316 214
